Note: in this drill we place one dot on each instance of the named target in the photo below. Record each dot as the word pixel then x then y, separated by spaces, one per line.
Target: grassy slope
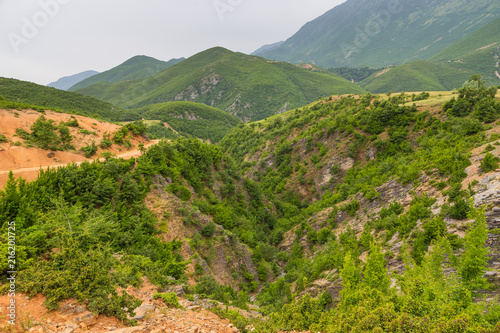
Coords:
pixel 249 87
pixel 193 119
pixel 417 30
pixel 138 67
pixel 488 36
pixel 417 76
pixel 52 98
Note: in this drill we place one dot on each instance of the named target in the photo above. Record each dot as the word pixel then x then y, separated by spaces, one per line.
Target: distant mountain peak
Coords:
pixel 67 82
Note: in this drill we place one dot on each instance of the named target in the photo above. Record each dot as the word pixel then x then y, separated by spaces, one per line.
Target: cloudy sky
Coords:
pixel 43 40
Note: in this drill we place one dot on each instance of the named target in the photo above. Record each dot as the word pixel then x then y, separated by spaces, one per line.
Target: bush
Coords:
pixel 90 150
pixel 208 230
pixel 3 138
pixel 170 300
pixel 323 235
pixel 460 209
pixel 489 162
pixel 105 143
pixel 85 276
pixel 180 191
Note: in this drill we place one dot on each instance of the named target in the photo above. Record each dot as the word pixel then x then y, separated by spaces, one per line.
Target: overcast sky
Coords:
pixel 43 40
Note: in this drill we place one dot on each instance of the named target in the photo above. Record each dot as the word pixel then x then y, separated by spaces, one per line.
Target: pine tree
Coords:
pixel 375 273
pixel 474 260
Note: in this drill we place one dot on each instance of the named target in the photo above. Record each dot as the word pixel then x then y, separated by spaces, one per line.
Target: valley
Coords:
pixel 343 180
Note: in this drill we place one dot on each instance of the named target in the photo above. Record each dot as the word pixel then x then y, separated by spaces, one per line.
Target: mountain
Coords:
pixel 381 33
pixel 187 119
pixel 417 75
pixel 268 47
pixel 29 93
pixel 67 82
pixel 136 68
pixel 484 38
pixel 477 53
pixel 248 87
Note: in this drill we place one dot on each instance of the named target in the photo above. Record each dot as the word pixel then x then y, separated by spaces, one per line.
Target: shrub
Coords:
pixel 489 162
pixel 208 230
pixel 170 300
pixel 90 150
pixel 105 143
pixel 323 235
pixel 3 138
pixel 460 209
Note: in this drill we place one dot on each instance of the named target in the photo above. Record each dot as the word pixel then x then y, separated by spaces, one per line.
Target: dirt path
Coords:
pixel 32 173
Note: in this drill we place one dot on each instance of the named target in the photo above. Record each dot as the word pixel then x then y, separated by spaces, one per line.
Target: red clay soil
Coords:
pixel 26 162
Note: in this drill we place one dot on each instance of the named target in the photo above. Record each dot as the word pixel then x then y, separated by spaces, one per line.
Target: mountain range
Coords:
pixel 380 33
pixel 248 87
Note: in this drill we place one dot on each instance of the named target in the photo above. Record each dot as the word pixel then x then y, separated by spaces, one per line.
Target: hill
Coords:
pixel 136 68
pixel 245 86
pixel 417 76
pixel 32 139
pixel 29 93
pixel 67 82
pixel 187 119
pixel 380 33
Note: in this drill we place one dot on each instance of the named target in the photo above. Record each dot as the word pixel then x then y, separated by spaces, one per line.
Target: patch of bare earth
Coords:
pixel 152 316
pixel 26 161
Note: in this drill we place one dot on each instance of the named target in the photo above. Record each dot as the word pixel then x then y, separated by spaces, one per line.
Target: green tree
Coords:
pixel 375 273
pixel 64 134
pixel 350 275
pixel 489 162
pixel 43 133
pixel 474 260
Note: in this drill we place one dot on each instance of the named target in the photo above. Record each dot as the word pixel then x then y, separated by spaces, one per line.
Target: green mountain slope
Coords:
pixel 417 76
pixel 425 75
pixel 481 39
pixel 52 98
pixel 136 68
pixel 248 87
pixel 188 119
pixel 381 33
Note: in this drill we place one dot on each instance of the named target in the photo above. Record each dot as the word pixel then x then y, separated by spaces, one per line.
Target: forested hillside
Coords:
pixel 28 93
pixel 248 87
pixel 186 118
pixel 351 214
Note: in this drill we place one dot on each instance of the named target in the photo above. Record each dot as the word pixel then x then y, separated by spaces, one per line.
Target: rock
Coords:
pixel 51 154
pixel 158 330
pixel 80 309
pixel 83 326
pixel 68 330
pixel 490 274
pixel 142 311
pixel 194 308
pixel 111 328
pixel 136 329
pixel 88 318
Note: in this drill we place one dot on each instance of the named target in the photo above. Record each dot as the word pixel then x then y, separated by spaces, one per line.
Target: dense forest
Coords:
pixel 304 192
